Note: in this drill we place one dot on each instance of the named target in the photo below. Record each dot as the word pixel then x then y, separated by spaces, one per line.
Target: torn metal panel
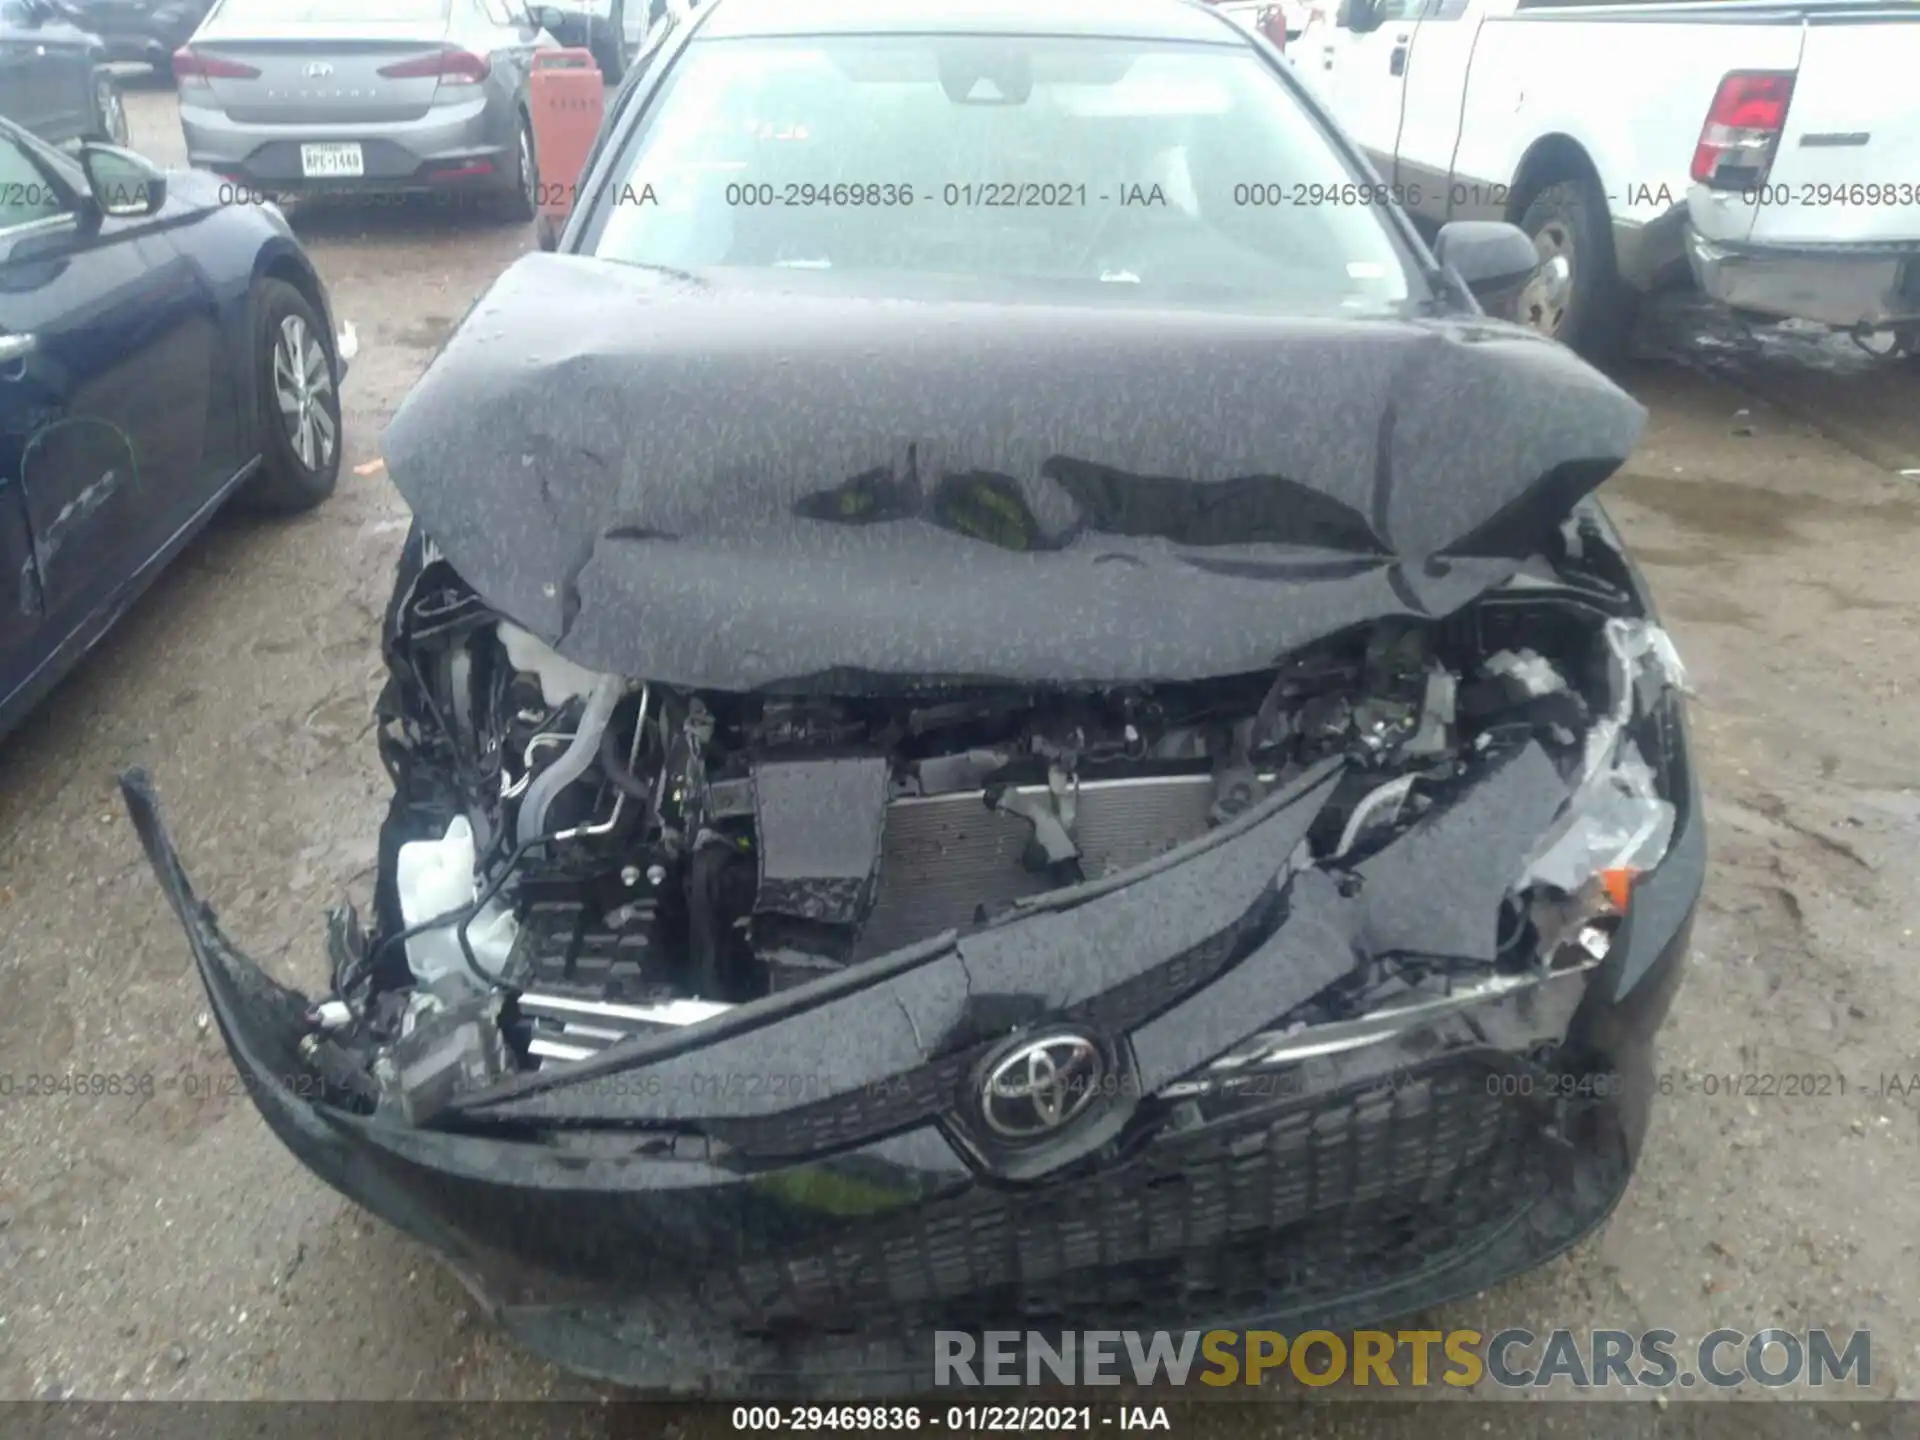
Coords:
pixel 1317 944
pixel 1438 889
pixel 1286 477
pixel 1072 955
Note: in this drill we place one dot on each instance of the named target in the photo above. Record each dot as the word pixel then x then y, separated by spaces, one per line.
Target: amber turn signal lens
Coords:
pixel 1619 886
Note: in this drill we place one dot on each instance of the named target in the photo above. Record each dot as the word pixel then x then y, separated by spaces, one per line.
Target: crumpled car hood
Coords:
pixel 736 484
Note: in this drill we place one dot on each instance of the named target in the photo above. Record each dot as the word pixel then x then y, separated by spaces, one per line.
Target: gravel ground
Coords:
pixel 170 1248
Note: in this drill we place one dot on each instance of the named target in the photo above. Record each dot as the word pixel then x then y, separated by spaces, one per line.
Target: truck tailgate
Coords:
pixel 1848 164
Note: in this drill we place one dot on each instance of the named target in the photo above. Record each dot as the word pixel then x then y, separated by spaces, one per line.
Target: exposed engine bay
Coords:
pixel 980 814
pixel 574 858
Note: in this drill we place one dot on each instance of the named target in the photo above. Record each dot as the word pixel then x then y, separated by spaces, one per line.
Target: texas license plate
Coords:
pixel 326 161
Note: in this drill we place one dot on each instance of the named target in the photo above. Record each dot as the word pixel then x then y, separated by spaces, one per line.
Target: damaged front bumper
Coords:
pixel 791 1200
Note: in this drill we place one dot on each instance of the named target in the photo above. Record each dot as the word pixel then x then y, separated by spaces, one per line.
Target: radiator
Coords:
pixel 943 856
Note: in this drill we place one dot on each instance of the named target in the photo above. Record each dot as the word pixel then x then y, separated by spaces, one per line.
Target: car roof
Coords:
pixel 1182 20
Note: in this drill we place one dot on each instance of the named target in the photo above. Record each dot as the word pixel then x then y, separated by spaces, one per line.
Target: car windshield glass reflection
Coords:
pixel 1176 170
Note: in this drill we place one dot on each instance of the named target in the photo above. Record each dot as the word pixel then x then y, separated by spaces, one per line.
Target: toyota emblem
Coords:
pixel 318 70
pixel 1041 1085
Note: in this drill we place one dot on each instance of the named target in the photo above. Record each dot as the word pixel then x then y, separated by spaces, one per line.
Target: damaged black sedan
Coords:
pixel 995 722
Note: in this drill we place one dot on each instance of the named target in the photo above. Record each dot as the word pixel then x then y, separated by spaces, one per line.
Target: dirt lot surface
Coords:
pixel 171 1248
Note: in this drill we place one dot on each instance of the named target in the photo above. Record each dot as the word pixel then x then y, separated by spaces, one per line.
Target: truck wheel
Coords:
pixel 1576 296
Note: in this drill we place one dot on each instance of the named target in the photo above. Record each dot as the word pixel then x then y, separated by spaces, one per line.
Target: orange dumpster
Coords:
pixel 568 99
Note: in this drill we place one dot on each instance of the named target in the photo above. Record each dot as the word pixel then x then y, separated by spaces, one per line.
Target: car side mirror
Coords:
pixel 1491 258
pixel 123 184
pixel 1360 16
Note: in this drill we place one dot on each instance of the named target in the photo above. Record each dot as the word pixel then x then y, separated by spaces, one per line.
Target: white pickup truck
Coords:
pixel 1772 147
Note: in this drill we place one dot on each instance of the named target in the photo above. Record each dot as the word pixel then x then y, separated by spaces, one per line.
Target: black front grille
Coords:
pixel 913 1097
pixel 1342 1191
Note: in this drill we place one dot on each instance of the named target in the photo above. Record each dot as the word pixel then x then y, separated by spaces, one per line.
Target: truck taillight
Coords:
pixel 1742 129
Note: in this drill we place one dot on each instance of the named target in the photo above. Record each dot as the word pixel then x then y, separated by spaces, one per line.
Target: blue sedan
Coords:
pixel 160 353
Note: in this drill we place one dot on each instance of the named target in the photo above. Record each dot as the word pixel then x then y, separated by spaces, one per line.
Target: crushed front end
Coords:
pixel 738 1040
